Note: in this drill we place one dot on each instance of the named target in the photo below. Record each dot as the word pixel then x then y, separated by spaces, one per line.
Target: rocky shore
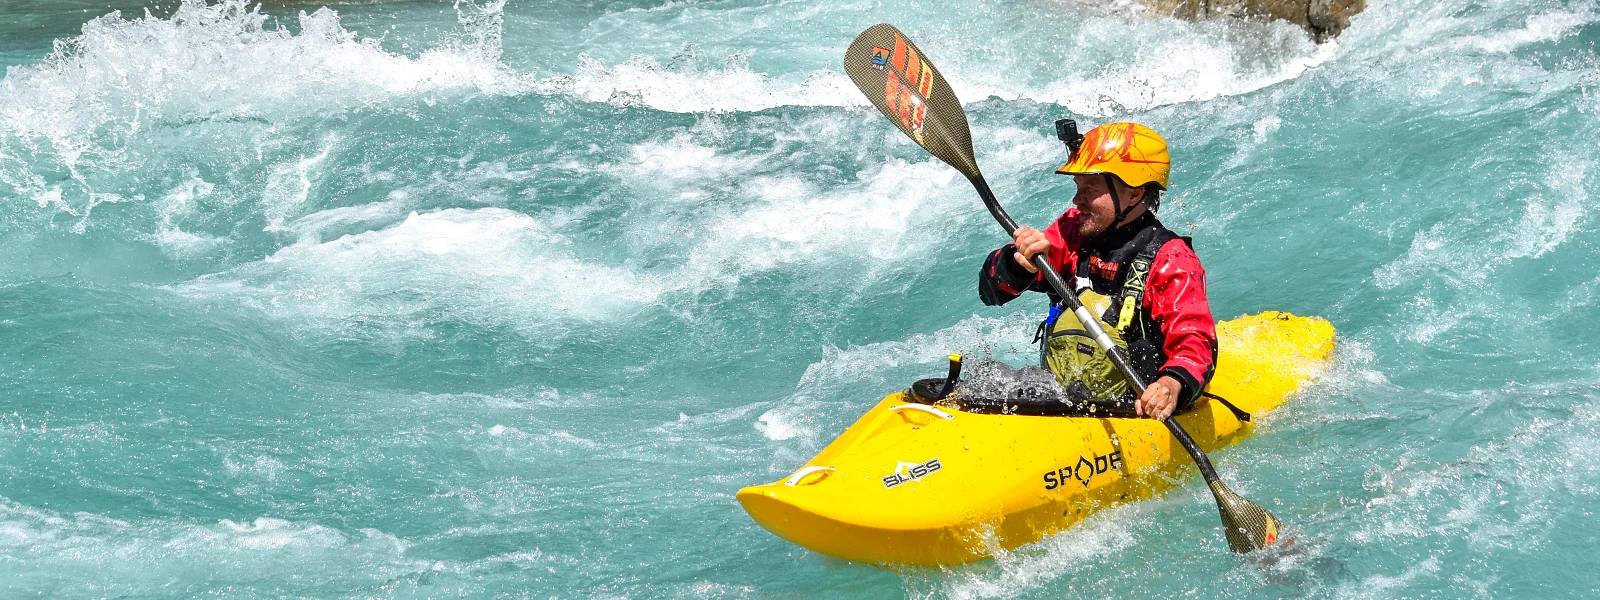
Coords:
pixel 1322 19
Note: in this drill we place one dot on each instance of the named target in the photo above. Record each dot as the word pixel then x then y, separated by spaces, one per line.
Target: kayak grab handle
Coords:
pixel 924 408
pixel 794 479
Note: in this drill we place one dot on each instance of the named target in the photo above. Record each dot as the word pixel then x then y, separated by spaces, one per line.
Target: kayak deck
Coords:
pixel 914 484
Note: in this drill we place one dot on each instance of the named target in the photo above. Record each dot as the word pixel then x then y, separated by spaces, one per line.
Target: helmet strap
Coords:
pixel 1116 202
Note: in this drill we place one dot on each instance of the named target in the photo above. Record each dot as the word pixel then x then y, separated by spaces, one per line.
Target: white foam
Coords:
pixel 311 227
pixel 712 216
pixel 1457 61
pixel 516 442
pixel 1542 27
pixel 1427 249
pixel 1384 586
pixel 709 217
pixel 1466 253
pixel 222 61
pixel 182 244
pixel 1546 223
pixel 77 110
pixel 1181 68
pixel 1016 572
pixel 1156 62
pixel 878 363
pixel 290 184
pixel 781 425
pixel 267 533
pixel 683 163
pixel 82 106
pixel 796 222
pixel 1539 468
pixel 642 81
pixel 1264 127
pixel 167 549
pixel 974 335
pixel 491 267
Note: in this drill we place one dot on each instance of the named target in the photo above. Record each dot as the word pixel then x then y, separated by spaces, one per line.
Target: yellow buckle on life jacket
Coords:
pixel 1133 290
pixel 1125 318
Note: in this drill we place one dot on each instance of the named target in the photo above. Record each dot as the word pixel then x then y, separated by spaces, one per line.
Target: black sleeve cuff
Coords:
pixel 1011 273
pixel 1191 388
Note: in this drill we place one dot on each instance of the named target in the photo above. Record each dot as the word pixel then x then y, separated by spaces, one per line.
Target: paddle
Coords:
pixel 897 77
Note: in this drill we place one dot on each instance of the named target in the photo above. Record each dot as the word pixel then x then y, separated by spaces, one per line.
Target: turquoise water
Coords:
pixel 422 300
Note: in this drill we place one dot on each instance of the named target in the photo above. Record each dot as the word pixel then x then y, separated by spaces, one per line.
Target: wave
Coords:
pixel 705 219
pixel 228 554
pixel 755 210
pixel 490 267
pixel 643 81
pixel 82 119
pixel 1186 62
pixel 77 127
pixel 865 370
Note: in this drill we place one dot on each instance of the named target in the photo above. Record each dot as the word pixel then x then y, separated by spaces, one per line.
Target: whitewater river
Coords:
pixel 416 299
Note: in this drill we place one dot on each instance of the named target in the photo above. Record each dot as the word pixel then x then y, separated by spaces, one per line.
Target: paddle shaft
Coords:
pixel 1090 323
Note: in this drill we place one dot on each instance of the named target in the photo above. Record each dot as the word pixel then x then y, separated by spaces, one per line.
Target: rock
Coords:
pixel 1322 19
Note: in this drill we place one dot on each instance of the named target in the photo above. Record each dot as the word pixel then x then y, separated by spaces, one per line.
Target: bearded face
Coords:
pixel 1094 201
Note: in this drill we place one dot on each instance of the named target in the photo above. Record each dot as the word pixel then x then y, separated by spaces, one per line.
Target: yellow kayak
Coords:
pixel 917 484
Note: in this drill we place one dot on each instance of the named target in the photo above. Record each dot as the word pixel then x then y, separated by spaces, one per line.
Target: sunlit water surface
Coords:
pixel 423 300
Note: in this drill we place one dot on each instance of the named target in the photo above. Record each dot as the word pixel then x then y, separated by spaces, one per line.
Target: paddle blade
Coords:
pixel 897 77
pixel 1248 526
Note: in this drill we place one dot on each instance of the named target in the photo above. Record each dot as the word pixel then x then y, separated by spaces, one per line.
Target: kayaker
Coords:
pixel 1142 280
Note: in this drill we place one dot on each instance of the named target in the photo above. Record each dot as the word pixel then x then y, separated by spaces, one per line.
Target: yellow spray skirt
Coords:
pixel 926 485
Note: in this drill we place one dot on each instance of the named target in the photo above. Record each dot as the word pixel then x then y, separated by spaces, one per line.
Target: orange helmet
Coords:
pixel 1134 153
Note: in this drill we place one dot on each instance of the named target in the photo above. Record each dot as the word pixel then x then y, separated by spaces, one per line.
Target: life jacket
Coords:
pixel 1112 286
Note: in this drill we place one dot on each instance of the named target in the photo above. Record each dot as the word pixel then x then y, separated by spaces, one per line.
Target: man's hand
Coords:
pixel 1159 398
pixel 1029 242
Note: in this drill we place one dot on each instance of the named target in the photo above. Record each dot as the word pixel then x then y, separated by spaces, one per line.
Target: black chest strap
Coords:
pixel 1127 286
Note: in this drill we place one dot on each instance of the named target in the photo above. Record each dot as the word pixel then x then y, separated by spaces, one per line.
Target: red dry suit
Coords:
pixel 1182 339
